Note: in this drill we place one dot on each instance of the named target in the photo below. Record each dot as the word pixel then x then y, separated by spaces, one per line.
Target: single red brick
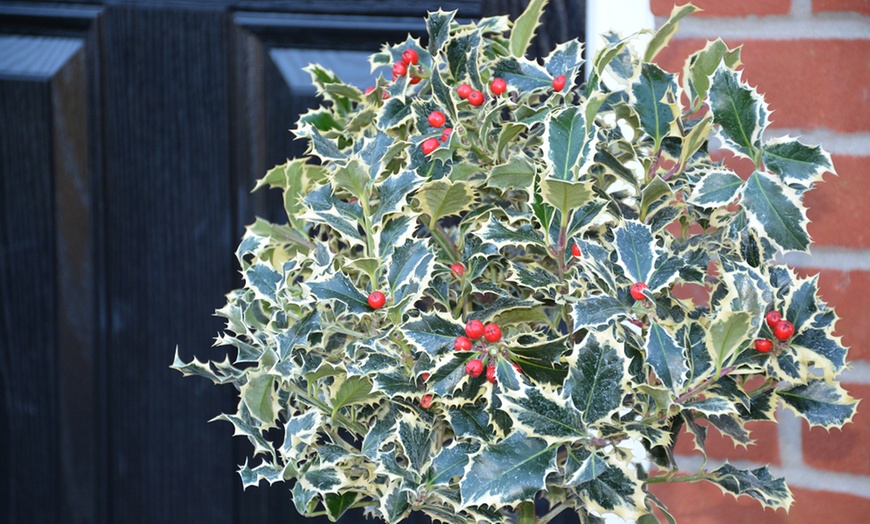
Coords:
pixel 764 451
pixel 845 292
pixel 837 202
pixel 855 6
pixel 844 450
pixel 704 503
pixel 720 8
pixel 808 83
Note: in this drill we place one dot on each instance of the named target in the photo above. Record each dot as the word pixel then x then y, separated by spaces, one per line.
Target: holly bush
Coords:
pixel 575 240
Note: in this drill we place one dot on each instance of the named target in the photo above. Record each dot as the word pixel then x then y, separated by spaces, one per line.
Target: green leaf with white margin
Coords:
pixel 667 358
pixel 441 93
pixel 827 352
pixel 566 196
pixel 728 333
pixel 598 377
pixel 394 113
pixel 775 212
pixel 392 193
pixel 660 40
pixel 796 163
pixel 260 398
pixel 655 101
pixel 344 218
pixel 517 173
pixel 337 504
pixel 411 268
pixel 509 472
pixel 300 432
pixel 303 499
pixel 740 112
pixel 324 478
pixel 758 483
pixel 450 462
pixel 396 232
pixel 415 437
pixel 350 391
pixel 339 288
pixel 501 236
pixel 717 187
pixel 382 431
pixel 635 249
pixel 394 503
pixel 712 406
pixel 701 65
pixel 438 27
pixel 448 373
pixel 802 303
pixel 543 413
pixel 566 59
pixel 523 75
pixel 821 403
pixel 569 146
pixel 264 281
pixel 353 177
pixel 605 485
pixel 471 421
pixel 542 361
pixel 324 148
pixel 696 139
pixel 441 198
pixel 524 27
pixel 244 428
pixel 432 333
pixel 265 471
pixel 596 310
pixel 295 178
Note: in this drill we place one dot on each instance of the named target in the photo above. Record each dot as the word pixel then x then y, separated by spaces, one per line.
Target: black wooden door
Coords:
pixel 131 133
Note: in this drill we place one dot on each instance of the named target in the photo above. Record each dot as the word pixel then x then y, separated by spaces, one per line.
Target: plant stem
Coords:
pixel 526 513
pixel 361 504
pixel 701 475
pixel 703 386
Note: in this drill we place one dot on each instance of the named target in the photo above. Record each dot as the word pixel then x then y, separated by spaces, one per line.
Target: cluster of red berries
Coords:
pixel 409 59
pixel 782 330
pixel 436 119
pixel 474 330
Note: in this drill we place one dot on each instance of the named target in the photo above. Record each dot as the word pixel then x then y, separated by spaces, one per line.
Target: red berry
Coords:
pixel 575 250
pixel 414 79
pixel 368 90
pixel 429 145
pixel 385 95
pixel 490 374
pixel 492 332
pixel 457 269
pixel 399 69
pixel 474 367
pixel 637 290
pixel 763 345
pixel 445 135
pixel 517 367
pixel 377 300
pixel 498 86
pixel 475 98
pixel 474 329
pixel 409 56
pixel 773 318
pixel 425 376
pixel 426 401
pixel 437 119
pixel 559 82
pixel 783 330
pixel 463 91
pixel 462 343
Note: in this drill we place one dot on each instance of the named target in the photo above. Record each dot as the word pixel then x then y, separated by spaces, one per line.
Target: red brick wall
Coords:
pixel 811 60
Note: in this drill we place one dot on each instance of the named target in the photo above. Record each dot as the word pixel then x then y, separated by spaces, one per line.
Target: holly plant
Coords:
pixel 501 284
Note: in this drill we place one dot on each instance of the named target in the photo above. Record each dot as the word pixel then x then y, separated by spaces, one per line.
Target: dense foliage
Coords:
pixel 539 214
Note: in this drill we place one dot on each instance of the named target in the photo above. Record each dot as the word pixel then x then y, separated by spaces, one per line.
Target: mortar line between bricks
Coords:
pixel 841 259
pixel 838 27
pixel 836 143
pixel 803 477
pixel 858 373
pixel 801 8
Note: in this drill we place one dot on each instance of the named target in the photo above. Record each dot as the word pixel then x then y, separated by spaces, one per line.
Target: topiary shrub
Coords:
pixel 499 283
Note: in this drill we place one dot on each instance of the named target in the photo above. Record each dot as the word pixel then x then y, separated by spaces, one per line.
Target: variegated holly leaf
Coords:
pixel 740 112
pixel 732 427
pixel 339 288
pixel 381 431
pixel 260 397
pixel 826 351
pixel 701 65
pixel 598 377
pixel 392 193
pixel 438 27
pixel 796 163
pixel 344 218
pixel 717 187
pixel 802 303
pixel 712 406
pixel 596 310
pixel 324 148
pixel 636 250
pixel 415 437
pixel 350 391
pixel 543 413
pixel 509 472
pixel 433 334
pixel 667 357
pixel 393 233
pixel 462 53
pixel 470 421
pixel 728 333
pixel 663 35
pixel 411 268
pixel 542 360
pixel 603 484
pixel 337 504
pixel 759 484
pixel 524 27
pixel 654 97
pixel 566 59
pixel 496 233
pixel 517 173
pixel 523 75
pixel 821 403
pixel 775 212
pixel 569 143
pixel 450 462
pixel 265 471
pixel 442 198
pixel 566 196
pixel 299 432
